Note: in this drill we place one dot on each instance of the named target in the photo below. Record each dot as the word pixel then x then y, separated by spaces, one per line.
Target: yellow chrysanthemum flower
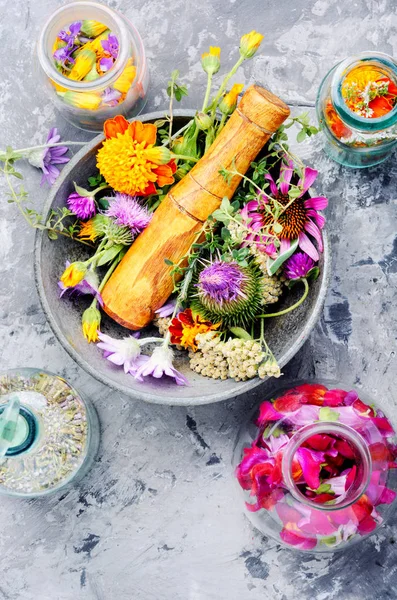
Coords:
pixel 124 82
pixel 85 60
pixel 229 100
pixel 129 161
pixel 91 321
pixel 73 274
pixel 250 43
pixel 211 61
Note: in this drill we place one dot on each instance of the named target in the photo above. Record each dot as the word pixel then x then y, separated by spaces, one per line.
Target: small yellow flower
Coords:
pixel 159 155
pixel 73 274
pixel 92 28
pixel 250 43
pixel 85 60
pixel 211 61
pixel 91 321
pixel 91 230
pixel 229 101
pixel 85 100
pixel 124 82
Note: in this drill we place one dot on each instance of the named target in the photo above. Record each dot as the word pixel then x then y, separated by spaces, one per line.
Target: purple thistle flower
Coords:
pixel 111 45
pixel 125 352
pixel 127 212
pixel 46 158
pixel 87 286
pixel 221 281
pixel 111 97
pixel 82 206
pixel 160 364
pixel 106 64
pixel 298 266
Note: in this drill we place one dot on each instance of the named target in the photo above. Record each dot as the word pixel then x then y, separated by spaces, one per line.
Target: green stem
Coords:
pixel 222 88
pixel 181 130
pixel 183 157
pixel 221 124
pixel 207 91
pixel 108 274
pixel 23 150
pixel 290 308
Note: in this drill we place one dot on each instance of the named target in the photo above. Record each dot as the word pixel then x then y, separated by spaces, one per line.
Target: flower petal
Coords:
pixel 308 179
pixel 307 246
pixel 273 187
pixel 317 203
pixel 315 232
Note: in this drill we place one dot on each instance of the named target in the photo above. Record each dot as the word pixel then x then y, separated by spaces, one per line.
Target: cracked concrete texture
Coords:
pixel 157 518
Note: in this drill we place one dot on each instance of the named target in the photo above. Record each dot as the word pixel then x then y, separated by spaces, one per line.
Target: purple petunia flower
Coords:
pixel 160 364
pixel 127 212
pixel 105 64
pixel 221 281
pixel 87 286
pixel 47 158
pixel 111 96
pixel 125 352
pixel 82 206
pixel 298 266
pixel 111 45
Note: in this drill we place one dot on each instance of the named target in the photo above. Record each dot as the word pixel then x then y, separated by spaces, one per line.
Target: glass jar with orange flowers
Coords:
pixel 357 109
pixel 93 64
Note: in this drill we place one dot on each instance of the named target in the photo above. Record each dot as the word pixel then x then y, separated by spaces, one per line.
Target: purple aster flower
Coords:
pixel 82 206
pixel 298 266
pixel 87 286
pixel 125 352
pixel 166 310
pixel 105 64
pixel 111 97
pixel 111 45
pixel 127 212
pixel 160 364
pixel 46 158
pixel 221 281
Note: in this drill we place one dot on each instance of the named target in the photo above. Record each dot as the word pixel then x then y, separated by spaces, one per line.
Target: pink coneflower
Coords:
pixel 298 220
pixel 127 212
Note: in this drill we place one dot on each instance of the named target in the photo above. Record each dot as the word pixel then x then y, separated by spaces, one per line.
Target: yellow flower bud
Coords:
pixel 73 274
pixel 250 43
pixel 229 101
pixel 159 155
pixel 211 61
pixel 92 29
pixel 124 82
pixel 85 60
pixel 91 321
pixel 85 100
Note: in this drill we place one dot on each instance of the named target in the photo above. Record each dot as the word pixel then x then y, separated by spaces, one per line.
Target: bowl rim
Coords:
pixel 218 396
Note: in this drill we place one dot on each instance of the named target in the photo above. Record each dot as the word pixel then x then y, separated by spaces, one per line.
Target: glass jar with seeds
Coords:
pixel 49 435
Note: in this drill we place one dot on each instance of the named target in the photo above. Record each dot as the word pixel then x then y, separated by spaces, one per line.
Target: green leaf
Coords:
pixel 82 191
pixel 168 262
pixel 301 136
pixel 277 228
pixel 327 414
pixel 225 233
pixel 52 235
pixel 313 274
pixel 240 333
pixel 110 254
pixel 274 265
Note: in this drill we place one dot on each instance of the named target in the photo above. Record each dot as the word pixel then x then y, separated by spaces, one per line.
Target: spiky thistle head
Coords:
pixel 227 292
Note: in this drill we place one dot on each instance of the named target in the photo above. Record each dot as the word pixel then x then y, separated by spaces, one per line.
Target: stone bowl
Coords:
pixel 285 335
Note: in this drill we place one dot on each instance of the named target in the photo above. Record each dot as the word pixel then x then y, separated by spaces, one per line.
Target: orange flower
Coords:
pixel 129 160
pixel 186 326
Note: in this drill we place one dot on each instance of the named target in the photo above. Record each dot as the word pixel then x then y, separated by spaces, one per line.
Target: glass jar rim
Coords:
pixel 347 115
pixel 330 427
pixel 105 80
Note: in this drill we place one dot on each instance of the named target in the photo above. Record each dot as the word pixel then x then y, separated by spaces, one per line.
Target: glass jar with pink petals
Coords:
pixel 316 467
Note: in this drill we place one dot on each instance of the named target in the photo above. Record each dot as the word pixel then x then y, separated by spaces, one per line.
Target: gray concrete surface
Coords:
pixel 157 518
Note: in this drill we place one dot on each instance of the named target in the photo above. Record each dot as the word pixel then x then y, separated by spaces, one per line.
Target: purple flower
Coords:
pixel 111 45
pixel 88 285
pixel 105 64
pixel 166 310
pixel 125 352
pixel 64 54
pixel 221 281
pixel 47 158
pixel 69 37
pixel 127 212
pixel 160 364
pixel 298 266
pixel 111 96
pixel 82 206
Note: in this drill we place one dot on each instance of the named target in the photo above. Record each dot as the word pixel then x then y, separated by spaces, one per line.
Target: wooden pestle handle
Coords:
pixel 142 282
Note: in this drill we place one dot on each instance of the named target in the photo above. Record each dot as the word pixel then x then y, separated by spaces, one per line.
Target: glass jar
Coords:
pixel 317 467
pixel 49 435
pixel 122 89
pixel 359 131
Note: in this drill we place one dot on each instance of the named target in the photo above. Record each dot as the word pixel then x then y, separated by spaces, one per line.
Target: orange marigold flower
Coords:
pixel 129 160
pixel 186 326
pixel 89 230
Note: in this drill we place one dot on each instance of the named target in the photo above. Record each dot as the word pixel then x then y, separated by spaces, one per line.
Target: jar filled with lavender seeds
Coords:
pixel 49 435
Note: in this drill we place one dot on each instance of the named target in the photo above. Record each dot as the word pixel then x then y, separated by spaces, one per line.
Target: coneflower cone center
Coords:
pixel 293 220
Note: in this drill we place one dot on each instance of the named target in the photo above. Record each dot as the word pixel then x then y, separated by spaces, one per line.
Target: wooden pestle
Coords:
pixel 142 282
